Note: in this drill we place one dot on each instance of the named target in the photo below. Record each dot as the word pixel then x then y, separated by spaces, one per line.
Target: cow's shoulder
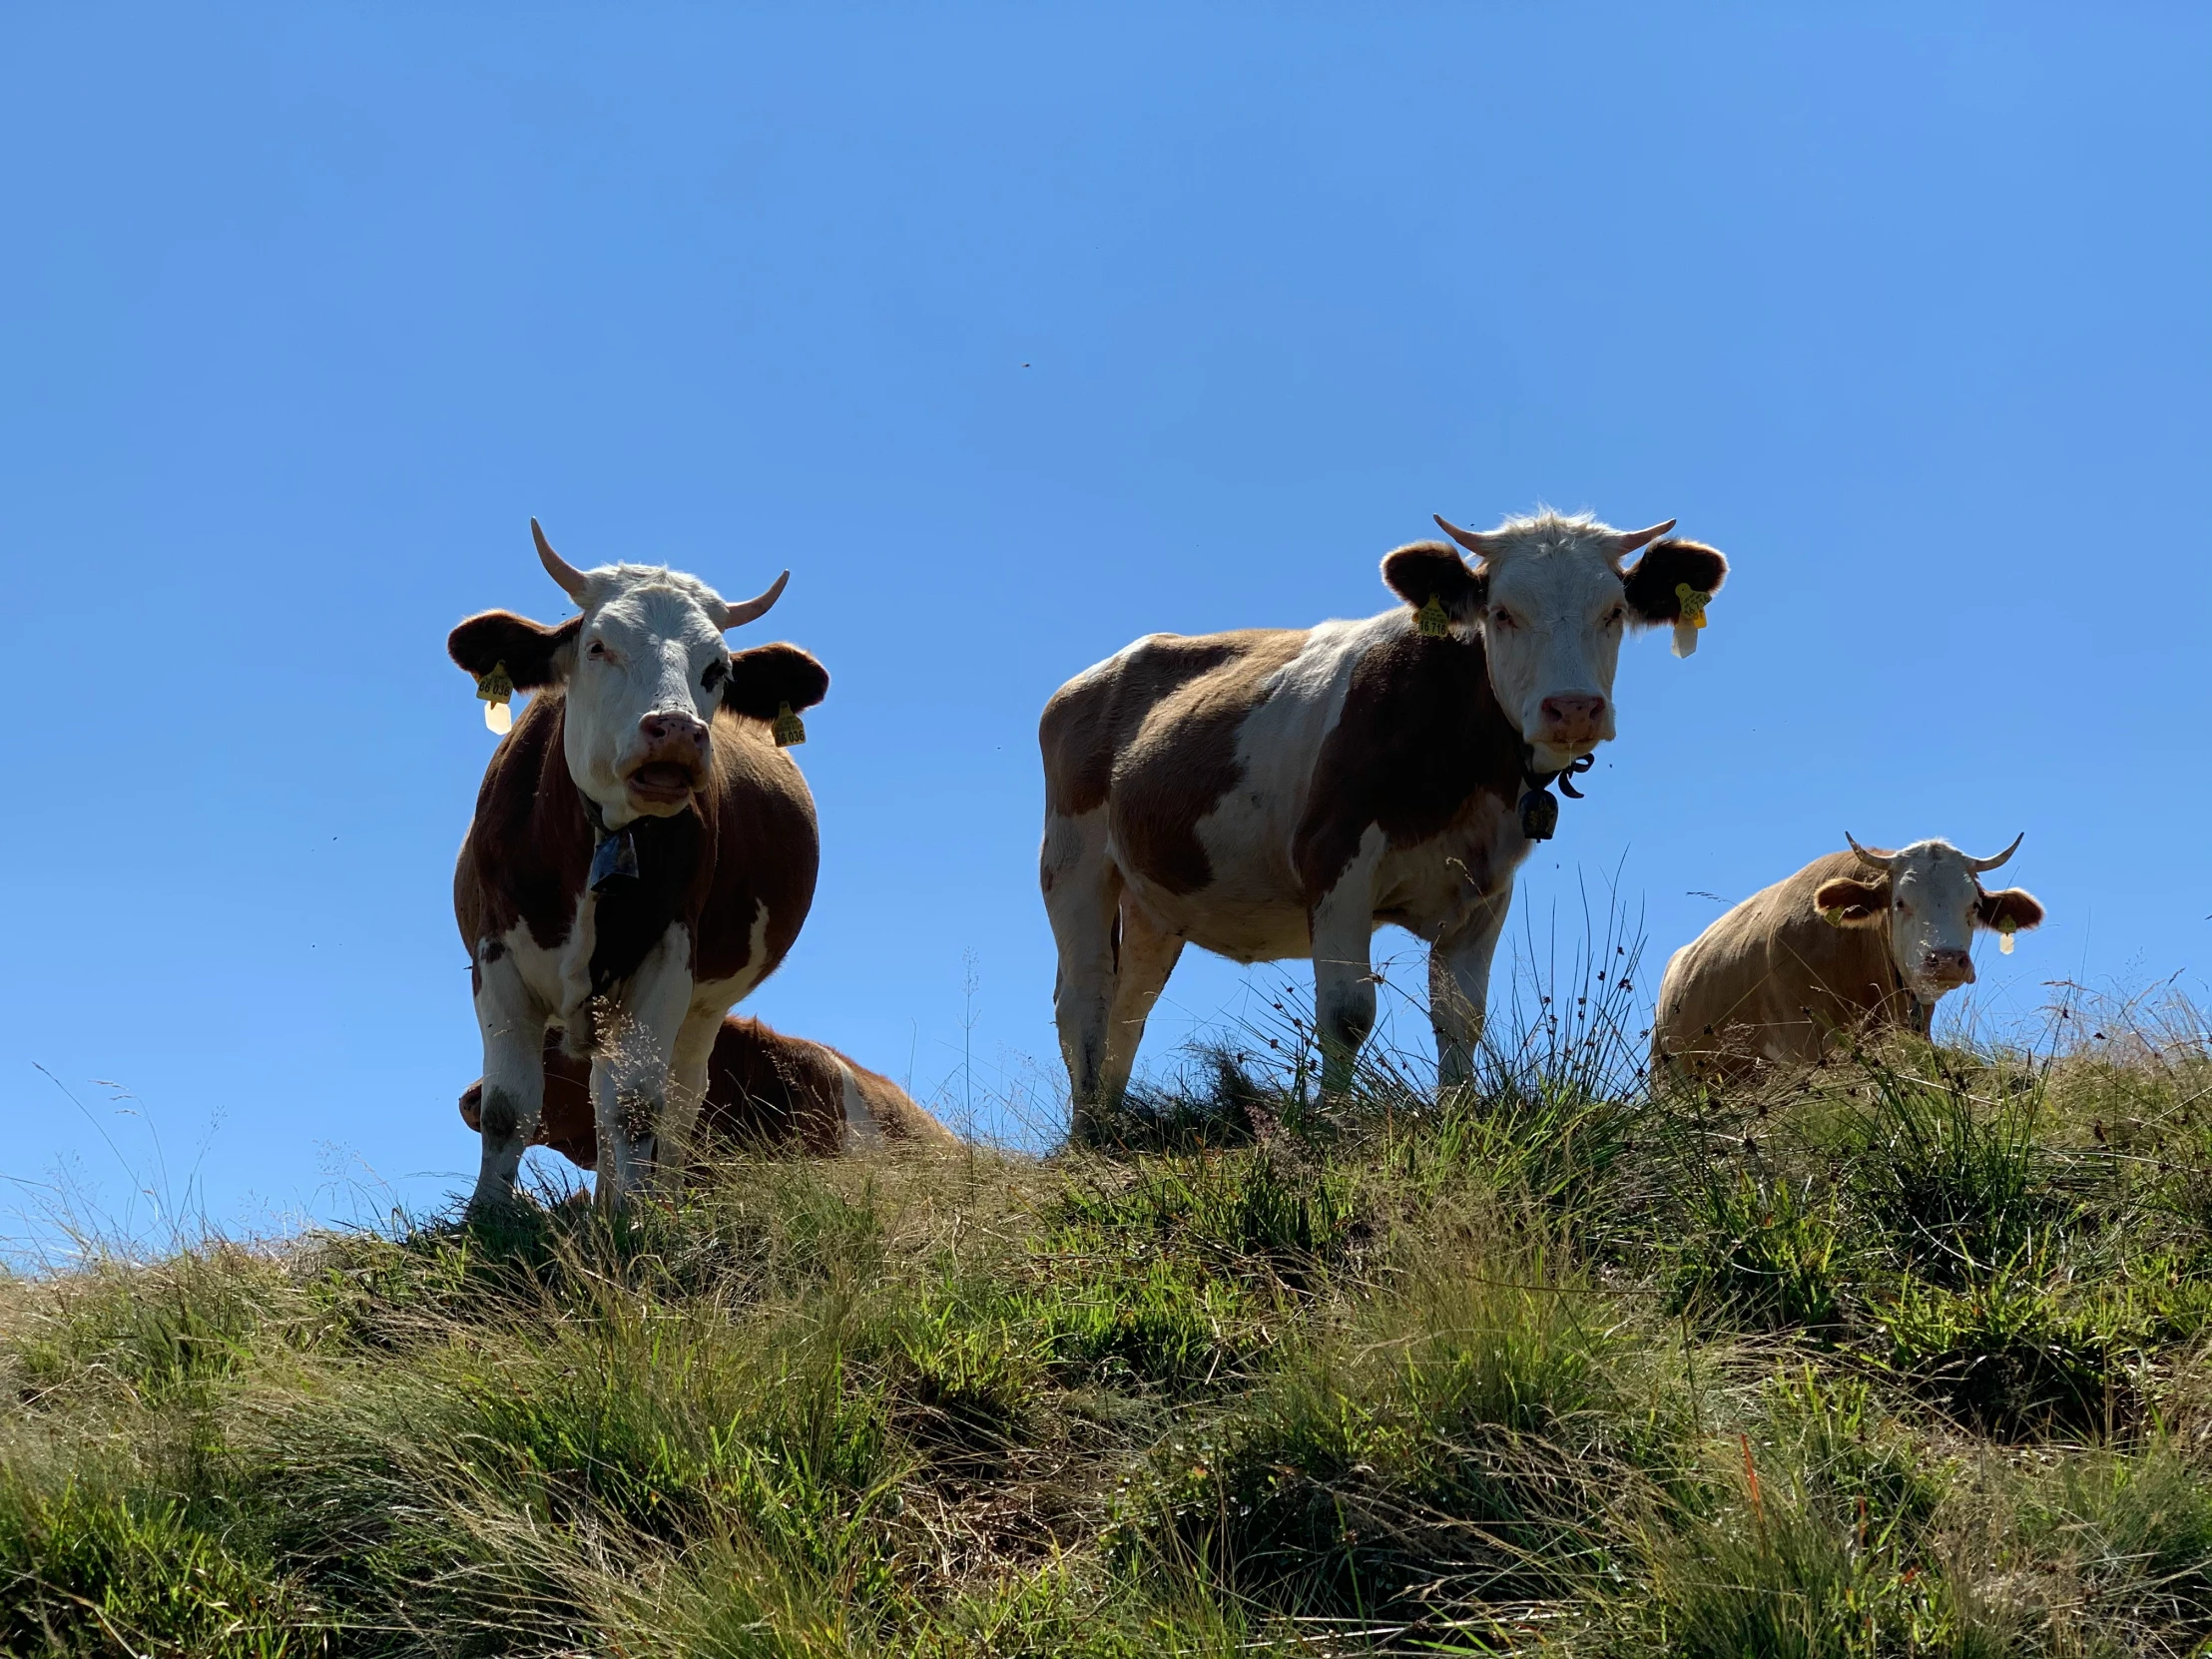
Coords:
pixel 765 854
pixel 528 845
pixel 1419 739
pixel 1092 721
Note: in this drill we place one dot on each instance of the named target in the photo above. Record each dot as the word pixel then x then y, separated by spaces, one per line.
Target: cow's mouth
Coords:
pixel 662 782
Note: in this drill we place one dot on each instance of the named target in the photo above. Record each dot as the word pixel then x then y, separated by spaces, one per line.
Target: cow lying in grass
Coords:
pixel 1853 942
pixel 765 1092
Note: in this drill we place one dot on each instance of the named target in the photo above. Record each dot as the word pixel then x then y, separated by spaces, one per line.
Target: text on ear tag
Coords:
pixel 1689 619
pixel 789 728
pixel 1431 620
pixel 496 689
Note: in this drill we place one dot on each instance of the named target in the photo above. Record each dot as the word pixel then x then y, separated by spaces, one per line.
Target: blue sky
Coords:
pixel 1017 333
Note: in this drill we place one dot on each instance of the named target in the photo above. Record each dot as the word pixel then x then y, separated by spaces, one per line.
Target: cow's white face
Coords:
pixel 1930 898
pixel 1552 617
pixel 1550 599
pixel 649 669
pixel 1934 898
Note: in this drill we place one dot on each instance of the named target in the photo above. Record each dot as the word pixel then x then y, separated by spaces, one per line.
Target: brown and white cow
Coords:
pixel 642 856
pixel 765 1092
pixel 1273 793
pixel 1851 942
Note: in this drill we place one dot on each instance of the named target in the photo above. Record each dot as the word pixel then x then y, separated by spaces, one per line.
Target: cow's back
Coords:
pixel 1771 979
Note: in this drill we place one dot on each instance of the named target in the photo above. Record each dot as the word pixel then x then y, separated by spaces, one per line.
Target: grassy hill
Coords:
pixel 1908 1359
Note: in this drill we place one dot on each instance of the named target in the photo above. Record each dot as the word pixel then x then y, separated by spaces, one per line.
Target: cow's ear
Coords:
pixel 763 680
pixel 2009 910
pixel 1425 570
pixel 1667 565
pixel 534 654
pixel 1845 902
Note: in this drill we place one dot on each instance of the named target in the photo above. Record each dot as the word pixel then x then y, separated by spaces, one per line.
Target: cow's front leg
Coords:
pixel 1342 924
pixel 630 1072
pixel 512 1022
pixel 1459 984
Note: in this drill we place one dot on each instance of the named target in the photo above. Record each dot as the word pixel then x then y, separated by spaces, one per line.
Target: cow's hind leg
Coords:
pixel 1082 892
pixel 1148 955
pixel 512 1022
pixel 1459 986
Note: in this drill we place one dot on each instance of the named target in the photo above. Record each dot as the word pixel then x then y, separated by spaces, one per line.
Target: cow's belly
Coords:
pixel 1246 928
pixel 1253 910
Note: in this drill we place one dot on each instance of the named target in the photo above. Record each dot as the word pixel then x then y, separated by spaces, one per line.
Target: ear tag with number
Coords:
pixel 789 728
pixel 496 689
pixel 1431 620
pixel 1690 619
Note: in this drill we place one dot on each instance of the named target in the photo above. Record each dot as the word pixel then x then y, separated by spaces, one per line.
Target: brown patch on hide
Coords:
pixel 1092 720
pixel 1155 730
pixel 1182 760
pixel 1419 736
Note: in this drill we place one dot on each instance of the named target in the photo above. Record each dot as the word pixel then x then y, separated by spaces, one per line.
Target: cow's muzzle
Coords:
pixel 1572 723
pixel 1944 971
pixel 672 765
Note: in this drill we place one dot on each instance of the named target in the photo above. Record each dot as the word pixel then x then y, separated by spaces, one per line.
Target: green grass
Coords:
pixel 1914 1357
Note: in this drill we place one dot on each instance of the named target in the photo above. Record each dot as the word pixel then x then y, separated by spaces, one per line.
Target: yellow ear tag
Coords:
pixel 1690 619
pixel 2005 930
pixel 496 689
pixel 789 729
pixel 1833 916
pixel 1431 620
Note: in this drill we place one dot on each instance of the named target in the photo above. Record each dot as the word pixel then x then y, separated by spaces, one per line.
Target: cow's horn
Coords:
pixel 570 578
pixel 1473 542
pixel 1873 856
pixel 1626 542
pixel 735 616
pixel 1979 866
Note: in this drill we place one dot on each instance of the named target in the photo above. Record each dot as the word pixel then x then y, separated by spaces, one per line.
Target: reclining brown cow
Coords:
pixel 764 1092
pixel 1853 942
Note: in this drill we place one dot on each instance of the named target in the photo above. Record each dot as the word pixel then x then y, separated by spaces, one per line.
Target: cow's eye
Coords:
pixel 1502 617
pixel 1617 616
pixel 717 672
pixel 598 651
